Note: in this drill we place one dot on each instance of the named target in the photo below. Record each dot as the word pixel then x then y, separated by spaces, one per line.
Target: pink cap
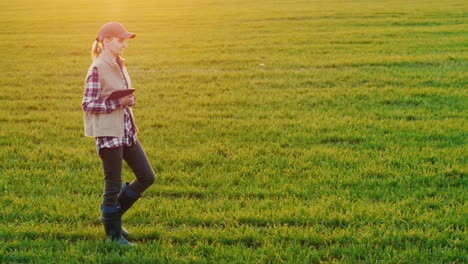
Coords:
pixel 113 29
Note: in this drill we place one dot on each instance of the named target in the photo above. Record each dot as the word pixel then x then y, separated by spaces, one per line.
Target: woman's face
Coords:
pixel 115 45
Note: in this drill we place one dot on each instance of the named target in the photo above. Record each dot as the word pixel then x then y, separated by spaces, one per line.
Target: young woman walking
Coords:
pixel 111 123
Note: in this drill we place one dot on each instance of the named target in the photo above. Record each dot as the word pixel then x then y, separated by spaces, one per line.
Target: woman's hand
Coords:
pixel 128 100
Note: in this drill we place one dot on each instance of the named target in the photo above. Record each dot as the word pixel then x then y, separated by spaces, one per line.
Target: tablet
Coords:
pixel 120 93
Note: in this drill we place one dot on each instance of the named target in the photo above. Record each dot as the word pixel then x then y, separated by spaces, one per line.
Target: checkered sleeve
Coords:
pixel 91 95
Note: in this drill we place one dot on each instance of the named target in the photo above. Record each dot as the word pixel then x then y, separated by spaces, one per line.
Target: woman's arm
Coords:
pixel 91 95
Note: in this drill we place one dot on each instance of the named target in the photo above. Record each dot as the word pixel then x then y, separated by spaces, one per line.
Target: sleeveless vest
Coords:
pixel 111 78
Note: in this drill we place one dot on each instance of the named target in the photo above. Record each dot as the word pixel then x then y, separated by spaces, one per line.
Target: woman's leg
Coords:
pixel 112 166
pixel 138 162
pixel 111 210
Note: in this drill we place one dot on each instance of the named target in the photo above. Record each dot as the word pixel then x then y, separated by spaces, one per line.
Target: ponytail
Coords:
pixel 96 49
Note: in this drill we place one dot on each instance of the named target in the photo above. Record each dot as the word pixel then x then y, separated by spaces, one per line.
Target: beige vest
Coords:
pixel 110 77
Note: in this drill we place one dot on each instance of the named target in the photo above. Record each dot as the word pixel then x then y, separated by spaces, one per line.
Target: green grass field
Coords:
pixel 322 131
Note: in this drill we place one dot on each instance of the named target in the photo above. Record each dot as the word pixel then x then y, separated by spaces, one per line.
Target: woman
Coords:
pixel 112 125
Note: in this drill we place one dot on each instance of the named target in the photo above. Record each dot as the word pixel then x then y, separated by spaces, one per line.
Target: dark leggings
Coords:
pixel 112 165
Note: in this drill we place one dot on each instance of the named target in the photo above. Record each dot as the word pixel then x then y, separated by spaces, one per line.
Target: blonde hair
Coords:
pixel 96 49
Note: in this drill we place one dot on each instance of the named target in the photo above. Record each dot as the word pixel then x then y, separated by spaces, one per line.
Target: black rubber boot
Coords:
pixel 124 232
pixel 127 198
pixel 113 228
pixel 111 218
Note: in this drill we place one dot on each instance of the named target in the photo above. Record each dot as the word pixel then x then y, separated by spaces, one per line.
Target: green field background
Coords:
pixel 280 131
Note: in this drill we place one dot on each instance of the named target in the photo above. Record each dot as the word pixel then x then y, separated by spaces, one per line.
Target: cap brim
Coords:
pixel 127 35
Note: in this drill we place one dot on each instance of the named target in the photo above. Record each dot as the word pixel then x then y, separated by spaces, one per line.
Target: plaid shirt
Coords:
pixel 92 103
